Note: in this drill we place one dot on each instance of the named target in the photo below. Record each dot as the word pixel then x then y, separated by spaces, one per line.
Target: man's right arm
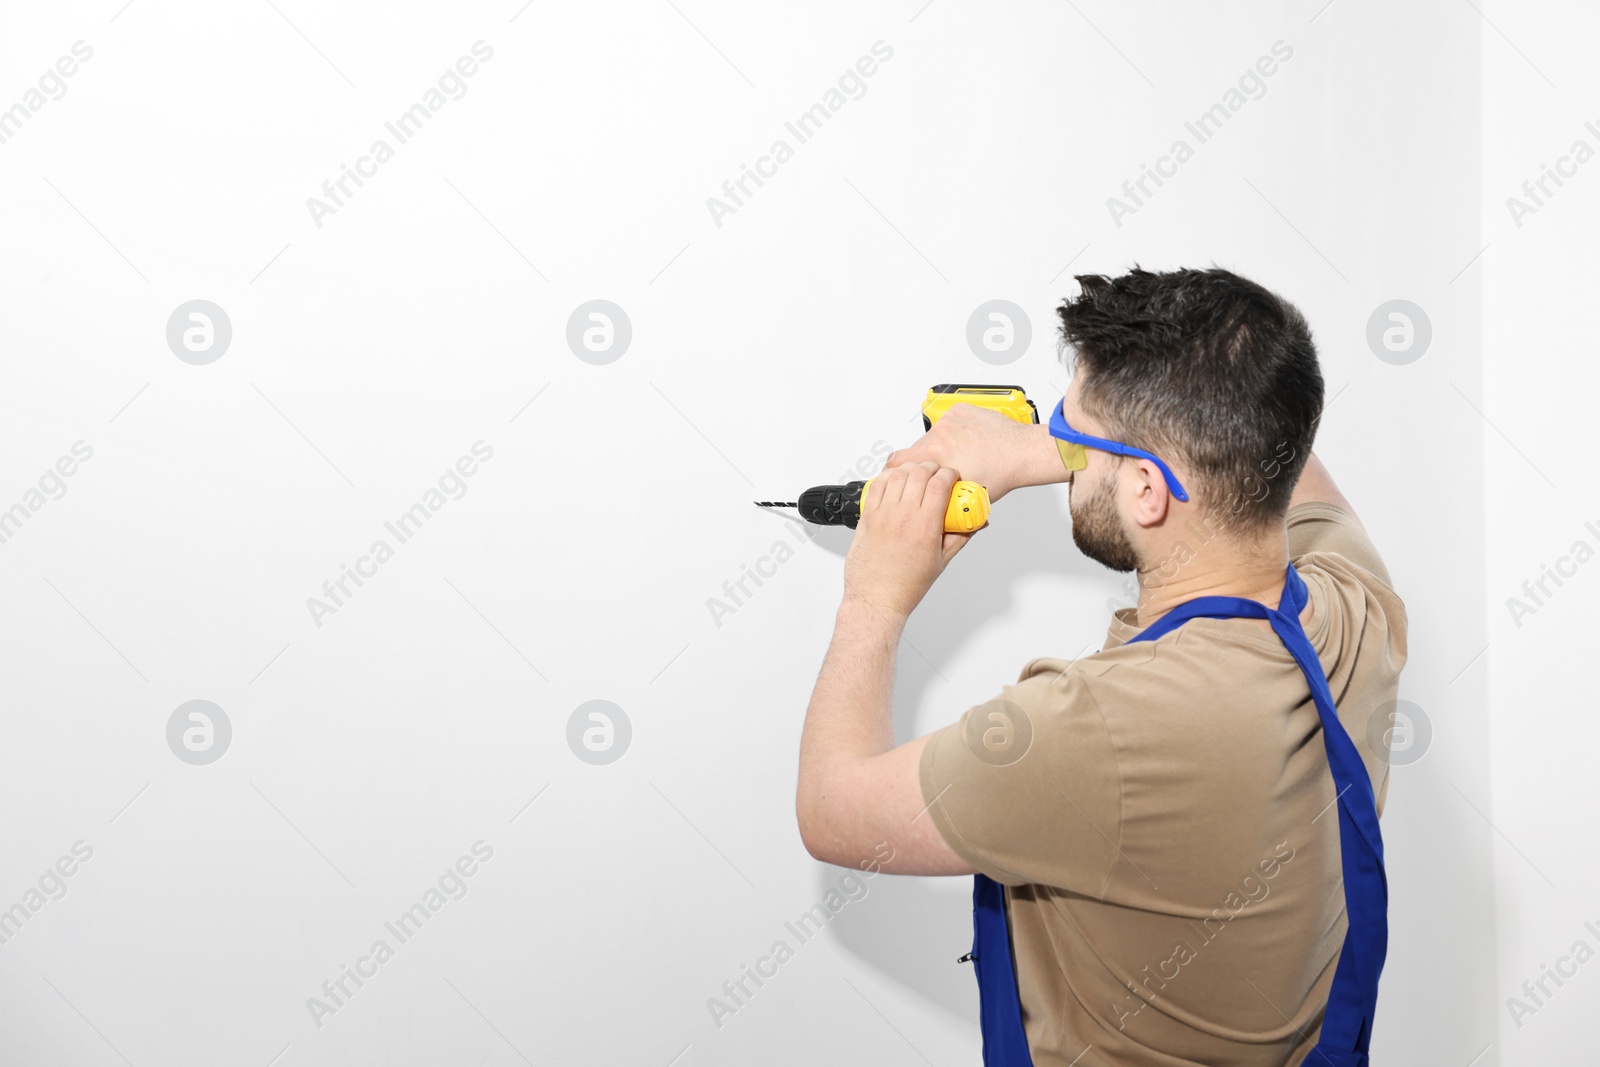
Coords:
pixel 989 448
pixel 1001 454
pixel 1321 519
pixel 1316 485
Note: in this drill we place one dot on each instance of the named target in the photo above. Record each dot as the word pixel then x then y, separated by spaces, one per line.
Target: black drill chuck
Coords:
pixel 832 505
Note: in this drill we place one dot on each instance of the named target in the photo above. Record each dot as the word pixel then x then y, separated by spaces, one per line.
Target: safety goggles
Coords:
pixel 1071 444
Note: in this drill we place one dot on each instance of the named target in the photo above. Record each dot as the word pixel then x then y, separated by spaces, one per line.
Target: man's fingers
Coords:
pixel 920 484
pixel 886 488
pixel 943 479
pixel 901 456
pixel 924 484
pixel 918 475
pixel 936 494
pixel 874 494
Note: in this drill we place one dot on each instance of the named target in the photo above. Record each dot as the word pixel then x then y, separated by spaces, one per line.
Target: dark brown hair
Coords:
pixel 1205 368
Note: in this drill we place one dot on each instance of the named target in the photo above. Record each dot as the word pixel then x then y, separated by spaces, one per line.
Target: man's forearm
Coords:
pixel 851 712
pixel 1046 468
pixel 1041 465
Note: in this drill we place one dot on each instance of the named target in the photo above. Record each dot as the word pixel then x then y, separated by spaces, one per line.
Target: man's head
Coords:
pixel 1203 368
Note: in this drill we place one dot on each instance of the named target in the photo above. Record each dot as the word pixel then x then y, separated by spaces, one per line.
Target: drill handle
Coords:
pixel 840 505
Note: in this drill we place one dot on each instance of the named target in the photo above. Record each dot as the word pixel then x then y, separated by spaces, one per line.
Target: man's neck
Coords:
pixel 1251 568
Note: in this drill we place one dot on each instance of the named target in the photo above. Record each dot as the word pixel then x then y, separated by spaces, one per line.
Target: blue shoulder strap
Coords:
pixel 1352 1002
pixel 1005 1044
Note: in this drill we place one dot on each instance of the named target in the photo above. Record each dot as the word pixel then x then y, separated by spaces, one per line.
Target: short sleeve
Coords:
pixel 1025 787
pixel 1317 526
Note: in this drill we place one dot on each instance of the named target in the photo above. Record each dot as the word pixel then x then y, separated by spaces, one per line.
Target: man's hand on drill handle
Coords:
pixel 989 448
pixel 900 546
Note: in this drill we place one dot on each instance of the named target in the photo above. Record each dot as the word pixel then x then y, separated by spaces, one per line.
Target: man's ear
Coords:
pixel 1153 499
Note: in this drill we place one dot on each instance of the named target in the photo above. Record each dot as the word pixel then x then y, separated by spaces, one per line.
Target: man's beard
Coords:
pixel 1097 529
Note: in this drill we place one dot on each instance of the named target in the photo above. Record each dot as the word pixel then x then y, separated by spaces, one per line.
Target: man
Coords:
pixel 1161 813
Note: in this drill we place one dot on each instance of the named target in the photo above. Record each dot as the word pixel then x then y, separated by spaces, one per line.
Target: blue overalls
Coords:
pixel 1347 1024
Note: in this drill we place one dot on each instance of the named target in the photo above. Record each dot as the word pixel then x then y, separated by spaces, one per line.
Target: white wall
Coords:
pixel 768 353
pixel 1538 281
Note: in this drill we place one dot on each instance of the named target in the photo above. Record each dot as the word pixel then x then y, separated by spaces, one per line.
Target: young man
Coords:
pixel 1178 818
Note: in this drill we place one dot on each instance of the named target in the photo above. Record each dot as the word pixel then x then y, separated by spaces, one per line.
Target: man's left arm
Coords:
pixel 857 790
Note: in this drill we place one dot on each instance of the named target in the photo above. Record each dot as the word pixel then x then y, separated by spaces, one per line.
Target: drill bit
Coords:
pixel 776 504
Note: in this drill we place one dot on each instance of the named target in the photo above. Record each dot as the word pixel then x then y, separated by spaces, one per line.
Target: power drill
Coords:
pixel 840 505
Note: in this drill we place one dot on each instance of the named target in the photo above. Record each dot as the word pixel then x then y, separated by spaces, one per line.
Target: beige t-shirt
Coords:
pixel 1166 838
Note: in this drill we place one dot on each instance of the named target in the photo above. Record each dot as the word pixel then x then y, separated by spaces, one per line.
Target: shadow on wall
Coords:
pixel 913 929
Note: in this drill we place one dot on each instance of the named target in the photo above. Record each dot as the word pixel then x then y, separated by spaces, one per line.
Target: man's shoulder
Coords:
pixel 1319 528
pixel 1083 680
pixel 1156 687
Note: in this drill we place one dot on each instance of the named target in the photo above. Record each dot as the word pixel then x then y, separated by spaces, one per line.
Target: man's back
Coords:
pixel 1168 837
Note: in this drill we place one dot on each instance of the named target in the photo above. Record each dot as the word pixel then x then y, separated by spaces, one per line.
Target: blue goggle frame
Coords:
pixel 1075 459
